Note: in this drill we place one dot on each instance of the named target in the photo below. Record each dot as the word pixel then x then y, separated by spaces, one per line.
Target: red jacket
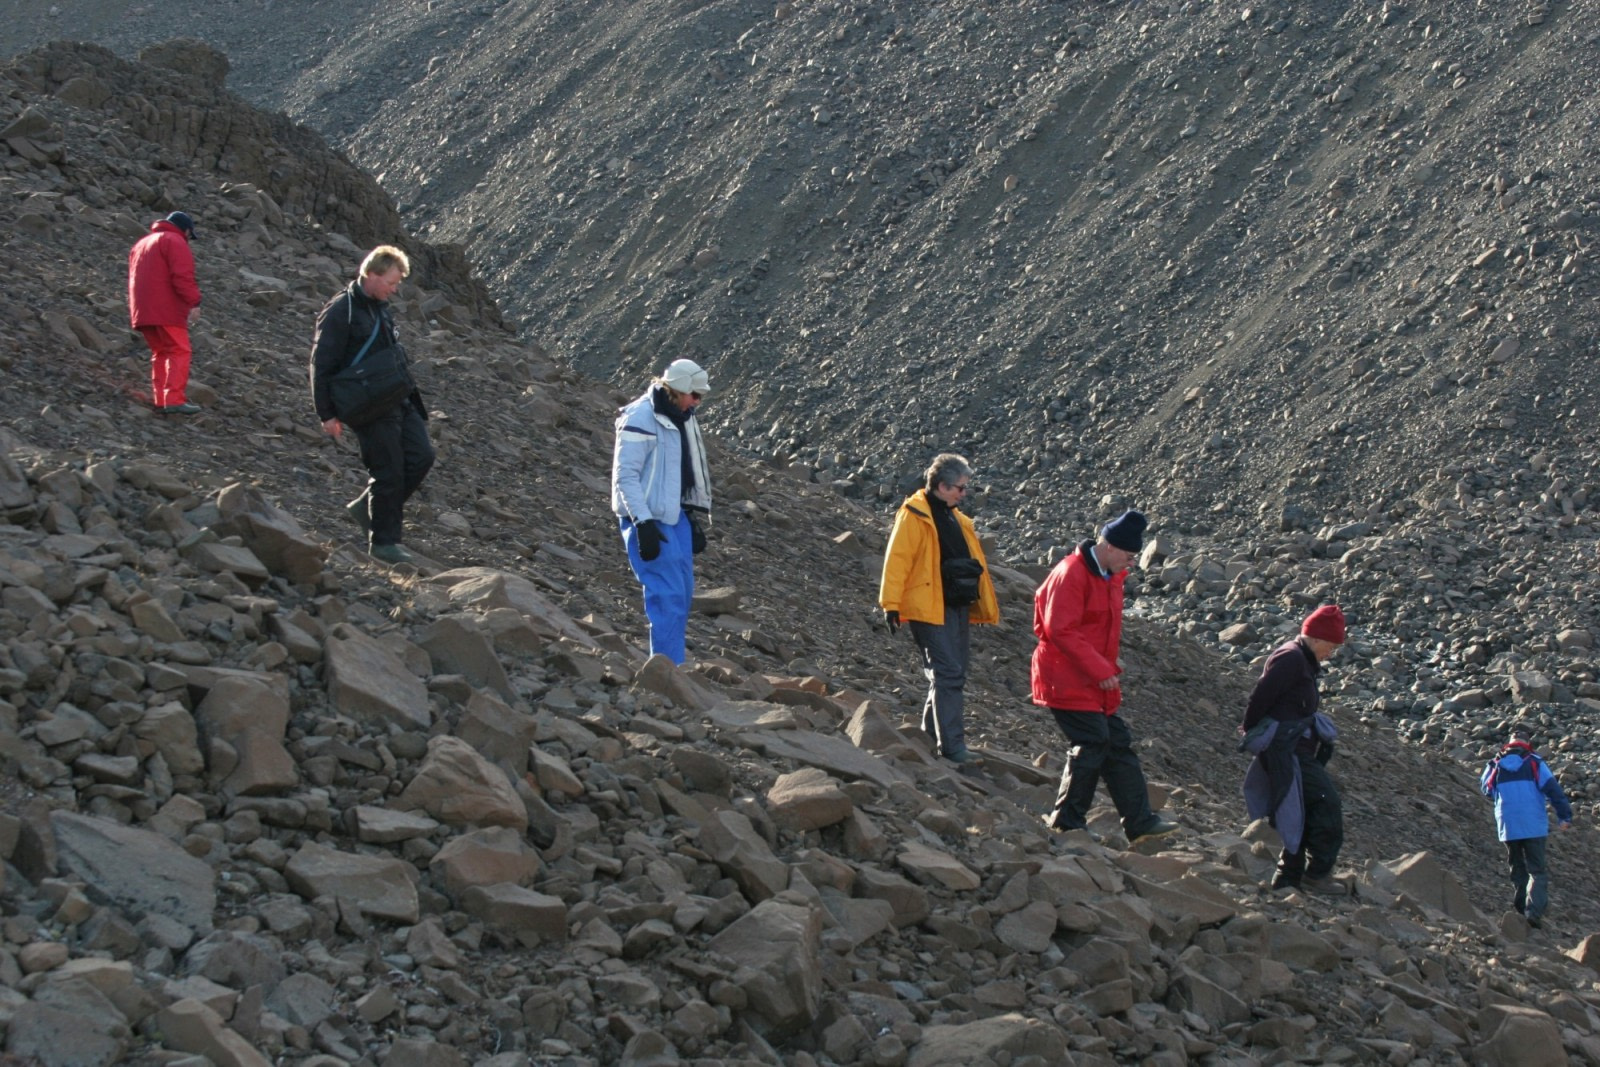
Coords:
pixel 1077 616
pixel 161 286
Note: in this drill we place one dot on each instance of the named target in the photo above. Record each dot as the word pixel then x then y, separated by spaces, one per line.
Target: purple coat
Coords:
pixel 1272 784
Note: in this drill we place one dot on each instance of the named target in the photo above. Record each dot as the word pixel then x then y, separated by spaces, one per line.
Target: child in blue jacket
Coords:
pixel 1520 784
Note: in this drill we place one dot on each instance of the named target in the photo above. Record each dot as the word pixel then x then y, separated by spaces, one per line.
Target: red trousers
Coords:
pixel 169 363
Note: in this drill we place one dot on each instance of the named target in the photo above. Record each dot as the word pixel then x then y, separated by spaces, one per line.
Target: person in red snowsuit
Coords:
pixel 162 294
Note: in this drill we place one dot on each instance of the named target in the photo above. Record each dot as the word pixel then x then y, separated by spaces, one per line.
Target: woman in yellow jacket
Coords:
pixel 936 579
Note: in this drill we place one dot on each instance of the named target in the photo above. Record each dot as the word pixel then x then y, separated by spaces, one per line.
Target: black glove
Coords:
pixel 893 619
pixel 650 539
pixel 697 537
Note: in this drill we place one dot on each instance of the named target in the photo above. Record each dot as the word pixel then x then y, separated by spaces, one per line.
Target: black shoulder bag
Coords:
pixel 366 389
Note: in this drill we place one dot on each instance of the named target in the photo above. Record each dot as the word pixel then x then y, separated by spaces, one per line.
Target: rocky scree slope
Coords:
pixel 1227 260
pixel 1310 283
pixel 264 798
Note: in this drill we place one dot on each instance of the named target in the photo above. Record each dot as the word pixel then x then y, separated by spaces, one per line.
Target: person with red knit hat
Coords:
pixel 1289 780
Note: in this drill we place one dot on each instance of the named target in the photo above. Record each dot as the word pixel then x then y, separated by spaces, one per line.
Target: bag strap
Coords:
pixel 378 322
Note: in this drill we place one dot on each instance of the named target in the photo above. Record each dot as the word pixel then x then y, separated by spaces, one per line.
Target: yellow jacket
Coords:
pixel 910 583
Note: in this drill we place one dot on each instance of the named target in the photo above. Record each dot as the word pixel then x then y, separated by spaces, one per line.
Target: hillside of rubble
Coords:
pixel 267 801
pixel 1309 283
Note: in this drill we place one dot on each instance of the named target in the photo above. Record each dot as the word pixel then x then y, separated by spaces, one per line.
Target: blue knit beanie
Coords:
pixel 1126 531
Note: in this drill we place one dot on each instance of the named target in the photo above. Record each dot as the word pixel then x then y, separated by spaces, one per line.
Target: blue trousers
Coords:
pixel 945 651
pixel 668 582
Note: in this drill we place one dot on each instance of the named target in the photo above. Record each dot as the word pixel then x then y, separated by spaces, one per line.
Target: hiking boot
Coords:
pixel 184 408
pixel 1326 886
pixel 1154 832
pixel 392 554
pixel 1048 825
pixel 360 512
pixel 961 755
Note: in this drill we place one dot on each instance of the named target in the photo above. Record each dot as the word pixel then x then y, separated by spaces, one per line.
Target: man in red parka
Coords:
pixel 162 294
pixel 1077 617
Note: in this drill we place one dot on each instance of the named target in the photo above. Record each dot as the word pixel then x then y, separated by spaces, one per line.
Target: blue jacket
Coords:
pixel 647 466
pixel 1519 784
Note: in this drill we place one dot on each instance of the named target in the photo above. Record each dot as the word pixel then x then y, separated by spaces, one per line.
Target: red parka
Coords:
pixel 161 286
pixel 1077 617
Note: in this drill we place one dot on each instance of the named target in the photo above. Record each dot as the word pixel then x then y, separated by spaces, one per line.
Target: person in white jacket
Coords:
pixel 661 494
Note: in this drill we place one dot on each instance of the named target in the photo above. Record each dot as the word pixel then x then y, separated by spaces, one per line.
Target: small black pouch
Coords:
pixel 961 578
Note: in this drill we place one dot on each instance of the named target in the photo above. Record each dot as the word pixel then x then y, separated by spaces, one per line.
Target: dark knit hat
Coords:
pixel 182 221
pixel 1326 624
pixel 1126 531
pixel 1522 734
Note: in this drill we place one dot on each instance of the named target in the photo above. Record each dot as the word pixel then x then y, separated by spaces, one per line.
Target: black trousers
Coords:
pixel 397 453
pixel 1530 874
pixel 1324 830
pixel 1102 749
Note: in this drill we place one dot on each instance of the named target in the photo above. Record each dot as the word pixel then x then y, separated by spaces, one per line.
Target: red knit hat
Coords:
pixel 1326 623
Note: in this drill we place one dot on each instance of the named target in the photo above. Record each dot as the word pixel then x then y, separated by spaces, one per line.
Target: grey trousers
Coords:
pixel 945 650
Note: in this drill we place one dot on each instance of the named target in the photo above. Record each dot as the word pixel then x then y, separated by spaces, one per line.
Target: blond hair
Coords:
pixel 383 259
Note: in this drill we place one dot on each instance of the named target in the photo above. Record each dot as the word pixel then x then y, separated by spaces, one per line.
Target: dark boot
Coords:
pixel 1291 869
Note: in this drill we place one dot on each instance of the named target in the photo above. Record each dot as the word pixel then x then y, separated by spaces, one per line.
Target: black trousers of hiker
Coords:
pixel 1324 829
pixel 1530 874
pixel 1102 749
pixel 397 453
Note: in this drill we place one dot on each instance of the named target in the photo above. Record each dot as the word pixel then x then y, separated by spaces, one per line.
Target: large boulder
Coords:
pixel 485 857
pixel 807 799
pixel 1427 881
pixel 458 645
pixel 137 871
pixel 270 533
pixel 775 946
pixel 367 683
pixel 460 788
pixel 249 716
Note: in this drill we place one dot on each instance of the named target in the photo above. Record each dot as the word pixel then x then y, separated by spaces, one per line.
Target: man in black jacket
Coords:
pixel 395 447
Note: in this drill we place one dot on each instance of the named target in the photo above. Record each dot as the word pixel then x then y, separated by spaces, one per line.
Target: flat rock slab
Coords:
pixel 1188 896
pixel 377 886
pixel 1000 1039
pixel 136 871
pixel 484 588
pixel 384 826
pixel 752 715
pixel 833 754
pixel 928 864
